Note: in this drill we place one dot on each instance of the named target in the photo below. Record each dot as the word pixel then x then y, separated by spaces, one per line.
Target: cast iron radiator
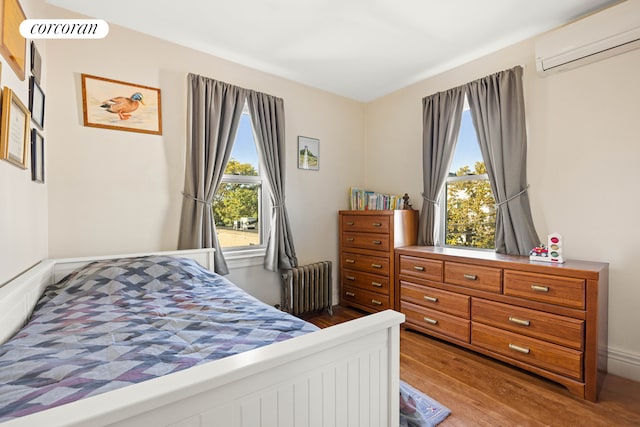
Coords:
pixel 307 288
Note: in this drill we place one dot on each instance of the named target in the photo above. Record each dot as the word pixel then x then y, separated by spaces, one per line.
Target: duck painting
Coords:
pixel 123 106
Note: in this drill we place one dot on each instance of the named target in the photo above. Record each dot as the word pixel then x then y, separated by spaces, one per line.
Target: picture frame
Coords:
pixel 37 156
pixel 308 153
pixel 36 62
pixel 13 46
pixel 36 102
pixel 119 105
pixel 14 129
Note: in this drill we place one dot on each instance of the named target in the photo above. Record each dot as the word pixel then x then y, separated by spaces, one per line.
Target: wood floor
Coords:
pixel 483 392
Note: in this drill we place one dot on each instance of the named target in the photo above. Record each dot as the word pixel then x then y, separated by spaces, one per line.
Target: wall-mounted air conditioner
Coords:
pixel 595 37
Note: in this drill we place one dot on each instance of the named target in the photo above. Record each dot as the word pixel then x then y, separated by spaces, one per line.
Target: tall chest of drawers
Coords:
pixel 367 240
pixel 550 319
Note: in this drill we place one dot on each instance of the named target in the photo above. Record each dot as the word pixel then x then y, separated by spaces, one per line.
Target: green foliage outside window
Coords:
pixel 471 212
pixel 235 200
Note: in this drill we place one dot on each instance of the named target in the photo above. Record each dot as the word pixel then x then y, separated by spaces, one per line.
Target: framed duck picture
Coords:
pixel 118 105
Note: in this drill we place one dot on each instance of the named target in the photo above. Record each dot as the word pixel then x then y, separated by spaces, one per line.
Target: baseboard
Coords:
pixel 623 364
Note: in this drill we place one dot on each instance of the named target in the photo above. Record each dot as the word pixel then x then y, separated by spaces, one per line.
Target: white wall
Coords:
pixel 583 156
pixel 23 207
pixel 120 192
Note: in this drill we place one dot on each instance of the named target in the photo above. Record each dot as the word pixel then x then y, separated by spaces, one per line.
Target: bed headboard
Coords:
pixel 20 295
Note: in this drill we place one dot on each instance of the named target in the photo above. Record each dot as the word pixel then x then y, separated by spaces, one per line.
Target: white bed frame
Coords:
pixel 345 375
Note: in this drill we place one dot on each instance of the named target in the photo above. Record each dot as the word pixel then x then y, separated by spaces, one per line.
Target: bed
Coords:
pixel 278 371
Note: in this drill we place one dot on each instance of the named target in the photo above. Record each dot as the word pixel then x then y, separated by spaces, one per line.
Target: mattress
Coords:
pixel 119 322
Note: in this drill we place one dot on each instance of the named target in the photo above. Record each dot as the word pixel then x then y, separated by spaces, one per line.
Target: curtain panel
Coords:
pixel 497 109
pixel 267 115
pixel 213 113
pixel 442 114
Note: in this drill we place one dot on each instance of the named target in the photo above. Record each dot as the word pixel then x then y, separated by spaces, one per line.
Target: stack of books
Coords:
pixel 363 200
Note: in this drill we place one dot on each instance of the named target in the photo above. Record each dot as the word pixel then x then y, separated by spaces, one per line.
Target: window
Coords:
pixel 239 204
pixel 469 209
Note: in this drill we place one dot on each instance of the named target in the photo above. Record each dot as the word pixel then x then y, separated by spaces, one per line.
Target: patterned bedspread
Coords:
pixel 115 323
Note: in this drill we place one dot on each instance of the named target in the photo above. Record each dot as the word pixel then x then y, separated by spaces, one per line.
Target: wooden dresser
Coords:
pixel 550 319
pixel 367 240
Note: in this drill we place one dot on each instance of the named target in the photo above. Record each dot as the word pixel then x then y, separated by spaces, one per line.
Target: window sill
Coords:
pixel 244 258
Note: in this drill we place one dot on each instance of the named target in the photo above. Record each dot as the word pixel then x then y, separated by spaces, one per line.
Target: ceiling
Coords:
pixel 360 49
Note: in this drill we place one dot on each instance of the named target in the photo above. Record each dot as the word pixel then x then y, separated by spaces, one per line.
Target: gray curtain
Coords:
pixel 442 114
pixel 267 115
pixel 497 109
pixel 213 113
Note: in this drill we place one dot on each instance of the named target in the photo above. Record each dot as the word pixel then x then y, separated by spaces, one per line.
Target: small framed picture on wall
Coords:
pixel 308 153
pixel 37 156
pixel 36 102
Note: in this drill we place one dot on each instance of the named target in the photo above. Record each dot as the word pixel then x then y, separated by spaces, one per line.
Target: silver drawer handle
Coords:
pixel 376 242
pixel 418 268
pixel 377 224
pixel 376 265
pixel 471 276
pixel 376 302
pixel 430 299
pixel 376 284
pixel 350 294
pixel 519 321
pixel 350 239
pixel 519 349
pixel 350 223
pixel 430 321
pixel 350 261
pixel 350 277
pixel 539 288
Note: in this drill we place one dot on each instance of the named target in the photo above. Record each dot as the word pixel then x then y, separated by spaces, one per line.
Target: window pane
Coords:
pixel 236 213
pixel 470 216
pixel 244 150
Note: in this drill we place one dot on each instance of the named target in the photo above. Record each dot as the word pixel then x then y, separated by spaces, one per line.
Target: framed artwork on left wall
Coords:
pixel 37 156
pixel 14 129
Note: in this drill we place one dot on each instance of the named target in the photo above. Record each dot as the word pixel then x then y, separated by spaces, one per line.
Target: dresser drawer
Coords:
pixel 557 329
pixel 421 268
pixel 436 299
pixel 368 263
pixel 552 357
pixel 366 223
pixel 371 241
pixel 563 291
pixel 364 298
pixel 366 281
pixel 473 276
pixel 436 321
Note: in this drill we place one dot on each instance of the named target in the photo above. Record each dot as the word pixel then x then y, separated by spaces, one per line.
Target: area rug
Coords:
pixel 419 410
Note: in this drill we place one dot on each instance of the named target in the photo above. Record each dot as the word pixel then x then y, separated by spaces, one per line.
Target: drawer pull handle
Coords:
pixel 418 268
pixel 430 321
pixel 430 299
pixel 350 239
pixel 350 261
pixel 377 224
pixel 519 321
pixel 376 265
pixel 376 302
pixel 539 288
pixel 350 294
pixel 376 284
pixel 471 276
pixel 350 277
pixel 350 223
pixel 377 242
pixel 519 349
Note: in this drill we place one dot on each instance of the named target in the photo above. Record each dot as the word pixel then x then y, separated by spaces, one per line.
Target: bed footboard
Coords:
pixel 347 374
